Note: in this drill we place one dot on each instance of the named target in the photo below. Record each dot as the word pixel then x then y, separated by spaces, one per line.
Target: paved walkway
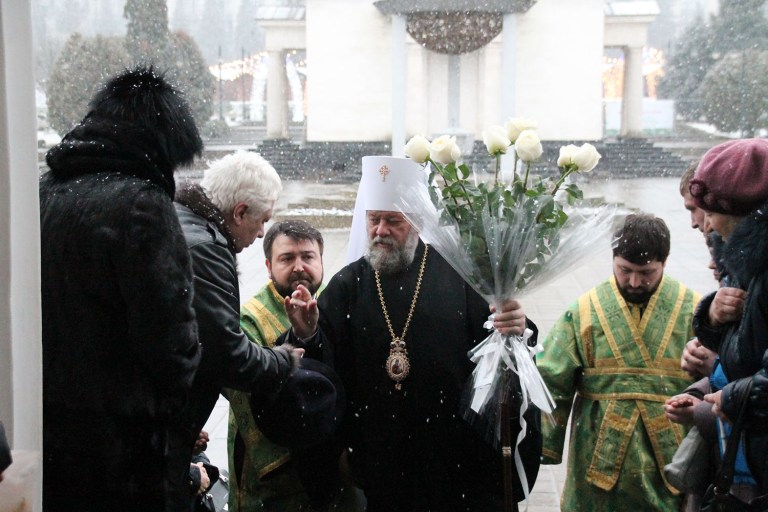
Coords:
pixel 687 262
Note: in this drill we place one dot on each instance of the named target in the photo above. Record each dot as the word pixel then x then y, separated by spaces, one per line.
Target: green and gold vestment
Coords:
pixel 621 364
pixel 256 485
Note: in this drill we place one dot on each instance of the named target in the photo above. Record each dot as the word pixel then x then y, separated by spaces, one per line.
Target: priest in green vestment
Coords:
pixel 261 476
pixel 617 350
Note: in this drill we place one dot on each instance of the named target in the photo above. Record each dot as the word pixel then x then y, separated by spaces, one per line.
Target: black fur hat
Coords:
pixel 137 124
pixel 142 97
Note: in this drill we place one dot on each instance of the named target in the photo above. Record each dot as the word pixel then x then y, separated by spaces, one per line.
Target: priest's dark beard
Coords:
pixel 392 261
pixel 287 289
pixel 639 297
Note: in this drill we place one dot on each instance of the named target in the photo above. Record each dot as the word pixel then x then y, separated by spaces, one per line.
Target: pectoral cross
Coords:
pixel 384 171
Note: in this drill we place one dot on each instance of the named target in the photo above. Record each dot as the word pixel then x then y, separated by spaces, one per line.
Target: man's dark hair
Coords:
pixel 643 239
pixel 296 230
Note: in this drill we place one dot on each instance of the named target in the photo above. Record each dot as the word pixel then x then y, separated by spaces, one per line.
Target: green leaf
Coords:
pixel 449 172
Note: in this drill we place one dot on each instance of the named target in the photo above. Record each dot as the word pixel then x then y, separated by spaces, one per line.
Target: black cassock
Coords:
pixel 410 449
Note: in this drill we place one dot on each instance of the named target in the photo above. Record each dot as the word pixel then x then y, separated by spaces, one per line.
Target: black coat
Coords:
pixel 119 338
pixel 410 449
pixel 743 346
pixel 229 358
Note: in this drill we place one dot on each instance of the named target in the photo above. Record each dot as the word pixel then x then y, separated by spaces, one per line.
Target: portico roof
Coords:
pixel 390 7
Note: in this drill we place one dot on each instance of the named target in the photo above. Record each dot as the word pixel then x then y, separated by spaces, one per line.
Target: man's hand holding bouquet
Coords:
pixel 504 238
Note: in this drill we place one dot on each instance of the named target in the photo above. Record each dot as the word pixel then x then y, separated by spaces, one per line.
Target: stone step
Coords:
pixel 340 161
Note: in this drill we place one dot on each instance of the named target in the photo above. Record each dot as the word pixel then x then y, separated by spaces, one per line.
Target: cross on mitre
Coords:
pixel 384 171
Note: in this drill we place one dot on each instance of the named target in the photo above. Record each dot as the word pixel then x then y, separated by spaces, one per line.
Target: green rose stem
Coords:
pixel 567 171
pixel 461 184
pixel 527 170
pixel 498 167
pixel 469 202
pixel 514 169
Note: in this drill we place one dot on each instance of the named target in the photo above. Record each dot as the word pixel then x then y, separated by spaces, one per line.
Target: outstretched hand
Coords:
pixel 511 318
pixel 679 408
pixel 302 312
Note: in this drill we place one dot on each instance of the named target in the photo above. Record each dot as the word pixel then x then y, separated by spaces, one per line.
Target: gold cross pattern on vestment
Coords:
pixel 384 171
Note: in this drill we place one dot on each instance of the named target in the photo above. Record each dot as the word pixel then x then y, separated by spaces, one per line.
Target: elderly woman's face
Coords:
pixel 722 223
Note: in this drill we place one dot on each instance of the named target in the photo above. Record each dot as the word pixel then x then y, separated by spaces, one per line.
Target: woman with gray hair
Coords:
pixel 221 217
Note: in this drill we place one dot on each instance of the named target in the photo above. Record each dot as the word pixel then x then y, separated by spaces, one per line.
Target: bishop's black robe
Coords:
pixel 410 449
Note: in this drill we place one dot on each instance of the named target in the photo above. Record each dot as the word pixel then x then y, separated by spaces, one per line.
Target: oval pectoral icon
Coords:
pixel 398 366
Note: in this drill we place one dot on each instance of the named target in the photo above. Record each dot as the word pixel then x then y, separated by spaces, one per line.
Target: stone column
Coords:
pixel 277 104
pixel 399 71
pixel 632 95
pixel 20 318
pixel 454 91
pixel 508 67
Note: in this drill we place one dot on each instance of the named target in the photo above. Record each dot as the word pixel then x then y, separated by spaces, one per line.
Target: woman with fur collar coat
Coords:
pixel 220 217
pixel 731 186
pixel 120 344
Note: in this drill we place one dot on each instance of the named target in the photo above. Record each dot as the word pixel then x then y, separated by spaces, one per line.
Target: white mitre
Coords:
pixel 383 177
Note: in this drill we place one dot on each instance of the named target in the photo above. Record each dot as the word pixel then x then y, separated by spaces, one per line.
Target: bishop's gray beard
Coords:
pixel 394 260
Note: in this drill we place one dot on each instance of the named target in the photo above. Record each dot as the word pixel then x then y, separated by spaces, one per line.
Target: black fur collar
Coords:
pixel 99 145
pixel 193 197
pixel 745 253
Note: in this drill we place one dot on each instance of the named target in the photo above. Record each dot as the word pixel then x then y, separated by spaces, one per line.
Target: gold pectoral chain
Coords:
pixel 398 366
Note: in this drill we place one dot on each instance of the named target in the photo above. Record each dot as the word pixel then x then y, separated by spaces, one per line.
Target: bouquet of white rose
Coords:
pixel 505 238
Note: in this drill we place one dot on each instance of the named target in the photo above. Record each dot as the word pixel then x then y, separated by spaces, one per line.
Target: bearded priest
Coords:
pixel 396 324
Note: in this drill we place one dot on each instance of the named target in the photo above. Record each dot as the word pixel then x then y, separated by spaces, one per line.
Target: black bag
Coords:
pixel 205 503
pixel 718 497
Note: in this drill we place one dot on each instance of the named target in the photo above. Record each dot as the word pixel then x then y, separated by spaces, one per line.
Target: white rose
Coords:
pixel 417 149
pixel 528 146
pixel 496 140
pixel 444 150
pixel 586 157
pixel 566 155
pixel 516 125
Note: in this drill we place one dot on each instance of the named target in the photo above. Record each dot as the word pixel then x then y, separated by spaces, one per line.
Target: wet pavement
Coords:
pixel 687 262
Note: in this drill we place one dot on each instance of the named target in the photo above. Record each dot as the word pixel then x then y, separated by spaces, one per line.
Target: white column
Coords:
pixel 399 71
pixel 508 66
pixel 20 318
pixel 277 105
pixel 454 92
pixel 632 95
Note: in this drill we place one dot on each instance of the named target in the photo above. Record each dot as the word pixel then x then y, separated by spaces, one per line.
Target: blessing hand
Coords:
pixel 302 312
pixel 511 318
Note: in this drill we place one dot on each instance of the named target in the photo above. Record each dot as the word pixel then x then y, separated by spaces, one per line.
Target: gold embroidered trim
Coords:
pixel 585 328
pixel 551 454
pixel 671 323
pixel 265 318
pixel 604 323
pixel 635 329
pixel 661 372
pixel 615 421
pixel 660 426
